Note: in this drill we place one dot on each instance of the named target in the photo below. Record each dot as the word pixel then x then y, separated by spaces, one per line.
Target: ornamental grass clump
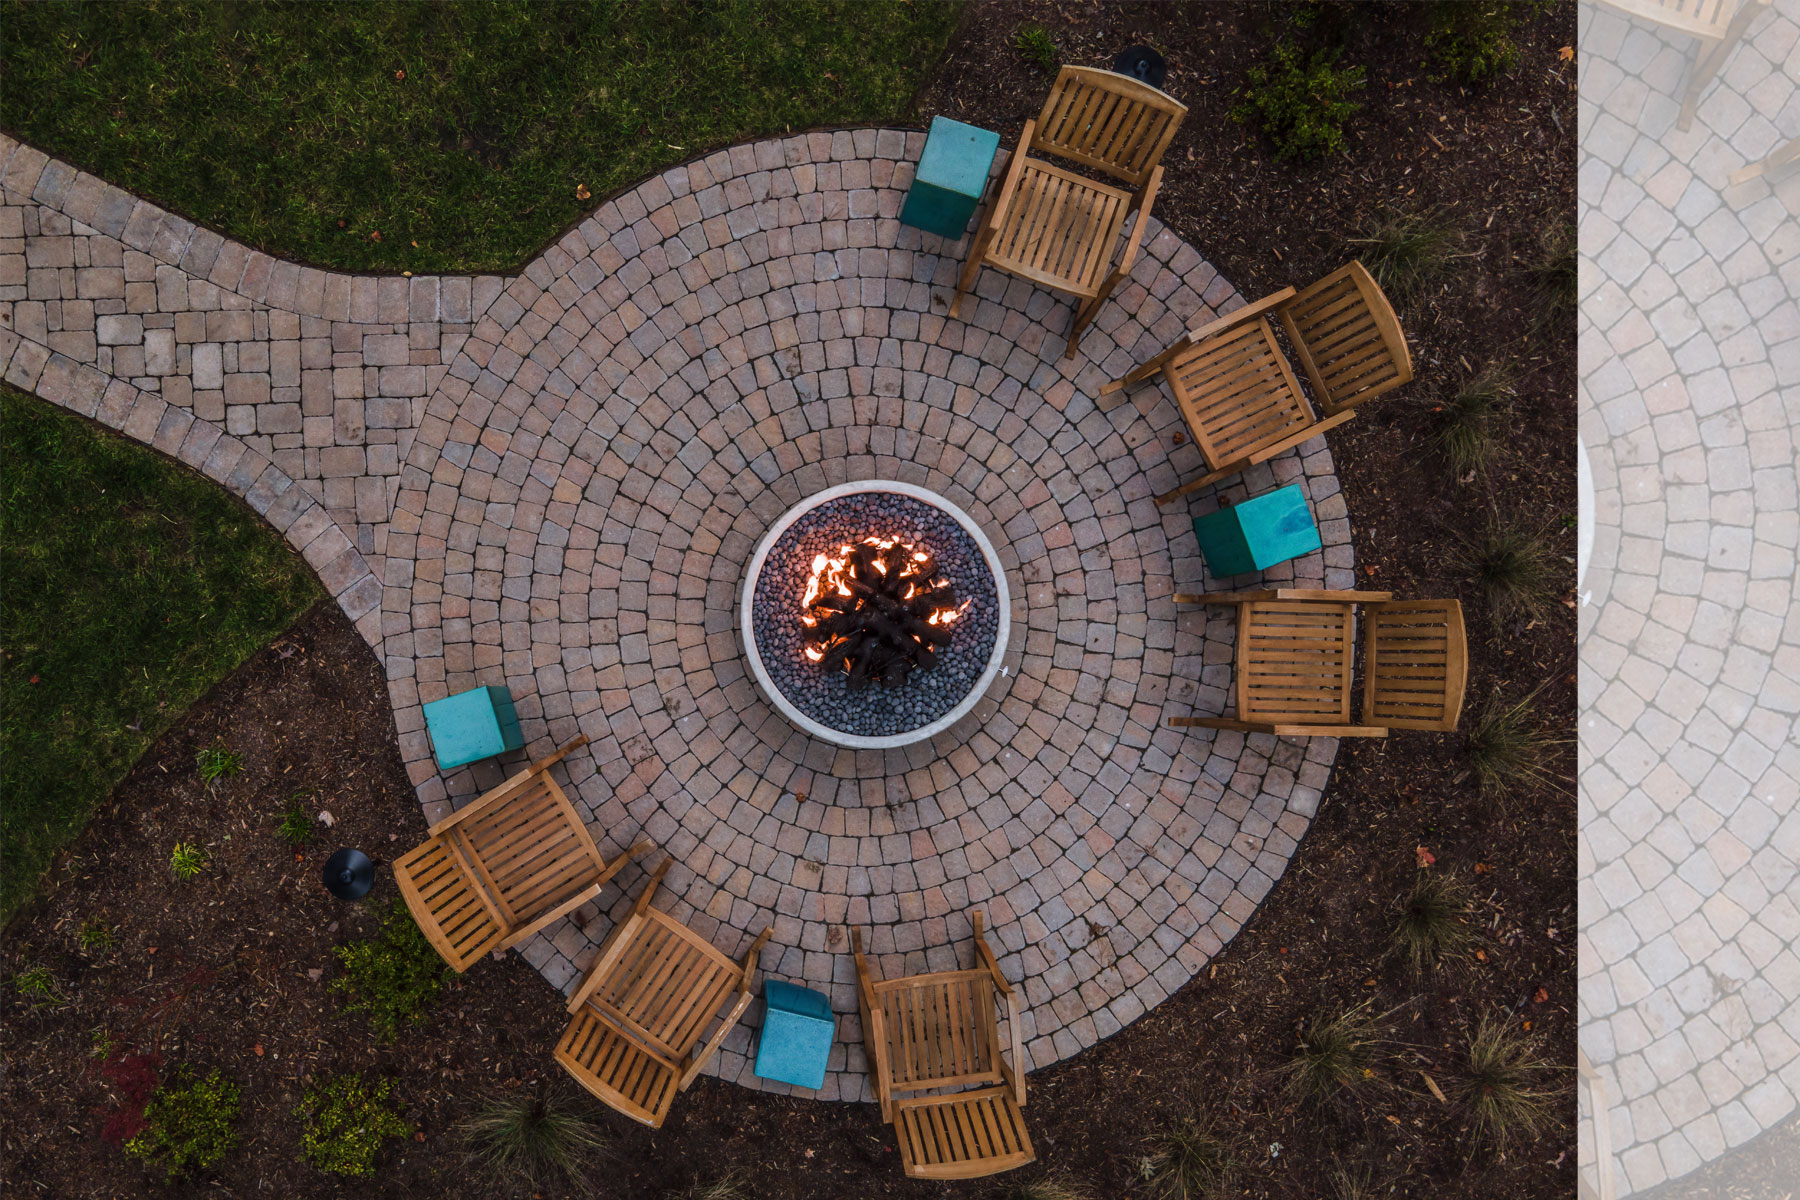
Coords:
pixel 1511 565
pixel 345 1122
pixel 189 1124
pixel 186 861
pixel 1509 749
pixel 1465 425
pixel 1501 1090
pixel 1189 1162
pixel 393 978
pixel 1048 1187
pixel 216 762
pixel 1335 1057
pixel 1406 250
pixel 1433 928
pixel 534 1139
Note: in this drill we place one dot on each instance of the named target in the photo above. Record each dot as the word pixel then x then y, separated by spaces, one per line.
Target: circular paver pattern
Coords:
pixel 620 429
pixel 1690 631
pixel 554 481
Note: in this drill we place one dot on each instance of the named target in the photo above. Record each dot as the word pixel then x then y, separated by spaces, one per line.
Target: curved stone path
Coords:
pixel 554 481
pixel 1690 359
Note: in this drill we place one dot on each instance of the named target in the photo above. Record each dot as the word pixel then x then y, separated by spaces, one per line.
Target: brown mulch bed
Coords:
pixel 215 970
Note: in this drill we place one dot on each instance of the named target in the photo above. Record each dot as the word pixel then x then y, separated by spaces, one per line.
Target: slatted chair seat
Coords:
pixel 643 1010
pixel 1295 660
pixel 1717 25
pixel 1240 397
pixel 941 1076
pixel 940 1136
pixel 1058 228
pixel 504 867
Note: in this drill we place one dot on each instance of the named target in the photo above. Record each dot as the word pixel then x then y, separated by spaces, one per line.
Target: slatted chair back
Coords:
pixel 940 1030
pixel 1707 19
pixel 1238 393
pixel 640 1019
pixel 1347 339
pixel 1294 662
pixel 941 1073
pixel 505 866
pixel 1110 122
pixel 1415 664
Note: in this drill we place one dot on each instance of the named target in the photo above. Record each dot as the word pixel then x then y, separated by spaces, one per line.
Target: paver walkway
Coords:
pixel 553 481
pixel 1690 359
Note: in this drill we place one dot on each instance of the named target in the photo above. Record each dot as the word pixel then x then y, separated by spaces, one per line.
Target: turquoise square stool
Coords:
pixel 1257 534
pixel 952 174
pixel 796 1036
pixel 472 725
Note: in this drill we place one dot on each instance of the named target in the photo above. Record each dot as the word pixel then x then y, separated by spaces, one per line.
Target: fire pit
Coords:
pixel 874 614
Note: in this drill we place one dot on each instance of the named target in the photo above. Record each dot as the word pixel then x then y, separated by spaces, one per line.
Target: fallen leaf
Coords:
pixel 258 1049
pixel 326 819
pixel 1566 54
pixel 1481 956
pixel 34 679
pixel 1541 996
pixel 399 74
pixel 1482 868
pixel 1426 857
pixel 419 1136
pixel 1435 1090
pixel 1179 438
pixel 581 191
pixel 374 235
pixel 315 974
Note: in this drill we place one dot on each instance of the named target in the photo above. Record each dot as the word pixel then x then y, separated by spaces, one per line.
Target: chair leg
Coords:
pixel 965 282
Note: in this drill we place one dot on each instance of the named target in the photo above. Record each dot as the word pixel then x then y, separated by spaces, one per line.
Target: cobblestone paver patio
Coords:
pixel 553 481
pixel 1690 359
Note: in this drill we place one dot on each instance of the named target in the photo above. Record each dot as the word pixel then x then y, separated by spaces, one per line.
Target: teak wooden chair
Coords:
pixel 1240 397
pixel 640 1014
pixel 1059 229
pixel 1717 25
pixel 1295 654
pixel 937 1035
pixel 497 871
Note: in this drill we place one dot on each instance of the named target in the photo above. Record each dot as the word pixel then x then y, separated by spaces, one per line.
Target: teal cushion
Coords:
pixel 797 1032
pixel 472 725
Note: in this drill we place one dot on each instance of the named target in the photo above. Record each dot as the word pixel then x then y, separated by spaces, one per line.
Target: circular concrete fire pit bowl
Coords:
pixel 882 694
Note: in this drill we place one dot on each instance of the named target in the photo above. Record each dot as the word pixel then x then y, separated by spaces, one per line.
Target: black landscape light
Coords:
pixel 1142 63
pixel 349 874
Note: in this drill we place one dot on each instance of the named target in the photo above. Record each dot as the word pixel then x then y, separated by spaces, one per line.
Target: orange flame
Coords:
pixel 832 575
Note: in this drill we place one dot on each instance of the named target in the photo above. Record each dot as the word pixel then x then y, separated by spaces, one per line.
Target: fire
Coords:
pixel 879 608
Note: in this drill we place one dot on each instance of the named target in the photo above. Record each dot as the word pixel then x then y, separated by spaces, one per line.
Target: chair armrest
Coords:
pixel 1239 597
pixel 1351 597
pixel 617 940
pixel 1271 301
pixel 985 957
pixel 750 957
pixel 1015 167
pixel 1145 197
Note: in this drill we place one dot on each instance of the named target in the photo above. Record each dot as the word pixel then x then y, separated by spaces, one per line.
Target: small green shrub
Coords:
pixel 186 861
pixel 216 762
pixel 1500 1089
pixel 1472 39
pixel 394 978
pixel 1406 250
pixel 37 987
pixel 188 1123
pixel 1434 928
pixel 1037 47
pixel 1465 426
pixel 1336 1055
pixel 1189 1162
pixel 1508 746
pixel 296 828
pixel 103 1043
pixel 345 1122
pixel 1300 103
pixel 530 1139
pixel 1511 565
pixel 97 936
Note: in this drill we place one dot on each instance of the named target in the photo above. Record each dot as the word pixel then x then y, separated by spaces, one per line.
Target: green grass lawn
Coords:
pixel 457 132
pixel 129 585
